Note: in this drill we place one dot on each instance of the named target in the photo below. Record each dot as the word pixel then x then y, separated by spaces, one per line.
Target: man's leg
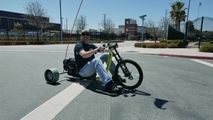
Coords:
pixel 95 65
pixel 88 70
pixel 104 58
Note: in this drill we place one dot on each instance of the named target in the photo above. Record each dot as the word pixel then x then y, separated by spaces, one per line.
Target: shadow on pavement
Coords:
pixel 96 87
pixel 160 102
pixel 53 84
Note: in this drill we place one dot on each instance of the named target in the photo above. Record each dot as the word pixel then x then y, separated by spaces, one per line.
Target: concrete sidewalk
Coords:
pixel 128 46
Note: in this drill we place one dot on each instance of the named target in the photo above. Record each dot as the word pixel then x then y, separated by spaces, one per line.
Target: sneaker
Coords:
pixel 110 87
pixel 118 78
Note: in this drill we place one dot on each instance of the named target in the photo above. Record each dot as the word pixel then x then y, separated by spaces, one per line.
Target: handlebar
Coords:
pixel 110 45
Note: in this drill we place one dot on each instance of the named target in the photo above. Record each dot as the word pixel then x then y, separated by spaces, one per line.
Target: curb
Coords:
pixel 187 56
pixel 175 55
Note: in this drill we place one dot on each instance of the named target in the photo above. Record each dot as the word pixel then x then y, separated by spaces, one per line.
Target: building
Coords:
pixel 9 19
pixel 130 26
pixel 119 30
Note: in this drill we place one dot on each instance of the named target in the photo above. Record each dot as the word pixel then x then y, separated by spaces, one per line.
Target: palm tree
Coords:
pixel 178 13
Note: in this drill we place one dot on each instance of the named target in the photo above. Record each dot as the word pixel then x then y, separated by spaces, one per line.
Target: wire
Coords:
pixel 73 26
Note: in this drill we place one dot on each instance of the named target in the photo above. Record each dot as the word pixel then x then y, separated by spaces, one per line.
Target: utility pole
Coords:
pixel 165 26
pixel 66 25
pixel 201 33
pixel 104 22
pixel 186 29
pixel 61 31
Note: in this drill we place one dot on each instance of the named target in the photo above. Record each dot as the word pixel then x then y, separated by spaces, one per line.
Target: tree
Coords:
pixel 109 28
pixel 81 23
pixel 17 29
pixel 178 13
pixel 152 29
pixel 190 26
pixel 163 26
pixel 0 21
pixel 191 30
pixel 108 25
pixel 36 16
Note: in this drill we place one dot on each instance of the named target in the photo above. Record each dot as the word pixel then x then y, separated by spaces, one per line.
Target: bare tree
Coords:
pixel 17 29
pixel 36 16
pixel 163 26
pixel 152 29
pixel 107 25
pixel 80 23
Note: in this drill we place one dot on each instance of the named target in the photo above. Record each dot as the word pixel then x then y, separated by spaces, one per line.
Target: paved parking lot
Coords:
pixel 173 88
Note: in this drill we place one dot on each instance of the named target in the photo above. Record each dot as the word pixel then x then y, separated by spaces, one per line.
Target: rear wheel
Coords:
pixel 128 74
pixel 51 75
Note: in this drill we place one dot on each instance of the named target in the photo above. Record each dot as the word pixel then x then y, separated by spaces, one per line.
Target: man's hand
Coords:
pixel 101 49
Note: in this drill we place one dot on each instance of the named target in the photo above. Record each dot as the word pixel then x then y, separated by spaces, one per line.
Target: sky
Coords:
pixel 115 10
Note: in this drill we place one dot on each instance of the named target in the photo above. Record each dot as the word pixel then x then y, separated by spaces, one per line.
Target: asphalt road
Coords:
pixel 173 88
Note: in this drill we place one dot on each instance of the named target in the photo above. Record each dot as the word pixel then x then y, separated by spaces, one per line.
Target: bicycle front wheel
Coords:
pixel 128 74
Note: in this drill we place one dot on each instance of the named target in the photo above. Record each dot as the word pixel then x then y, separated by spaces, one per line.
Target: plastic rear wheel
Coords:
pixel 51 75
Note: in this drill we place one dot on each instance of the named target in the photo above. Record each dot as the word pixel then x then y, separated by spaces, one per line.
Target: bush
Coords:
pixel 172 45
pixel 206 48
pixel 138 45
pixel 183 43
pixel 164 44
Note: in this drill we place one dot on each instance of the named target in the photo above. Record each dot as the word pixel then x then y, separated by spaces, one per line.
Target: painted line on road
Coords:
pixel 203 62
pixel 49 109
pixel 32 51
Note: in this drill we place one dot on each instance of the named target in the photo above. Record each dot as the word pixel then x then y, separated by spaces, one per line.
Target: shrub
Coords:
pixel 164 44
pixel 175 43
pixel 172 45
pixel 138 45
pixel 182 43
pixel 206 48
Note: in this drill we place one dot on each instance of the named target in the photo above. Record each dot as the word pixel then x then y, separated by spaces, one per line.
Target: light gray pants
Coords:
pixel 96 66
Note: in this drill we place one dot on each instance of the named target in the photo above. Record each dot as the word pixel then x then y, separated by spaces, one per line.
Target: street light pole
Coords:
pixel 198 9
pixel 61 31
pixel 142 28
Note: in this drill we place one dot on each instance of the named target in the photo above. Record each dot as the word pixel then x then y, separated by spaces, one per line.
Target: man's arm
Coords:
pixel 87 54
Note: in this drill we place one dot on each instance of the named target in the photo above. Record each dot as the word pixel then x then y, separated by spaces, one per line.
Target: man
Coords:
pixel 88 64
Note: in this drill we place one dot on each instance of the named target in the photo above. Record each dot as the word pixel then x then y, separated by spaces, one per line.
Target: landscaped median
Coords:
pixel 163 44
pixel 207 47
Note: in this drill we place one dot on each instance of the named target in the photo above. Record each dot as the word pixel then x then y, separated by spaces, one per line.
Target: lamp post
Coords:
pixel 186 31
pixel 198 9
pixel 61 31
pixel 142 28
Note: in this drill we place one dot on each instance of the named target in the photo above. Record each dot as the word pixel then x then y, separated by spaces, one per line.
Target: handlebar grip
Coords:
pixel 111 45
pixel 115 45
